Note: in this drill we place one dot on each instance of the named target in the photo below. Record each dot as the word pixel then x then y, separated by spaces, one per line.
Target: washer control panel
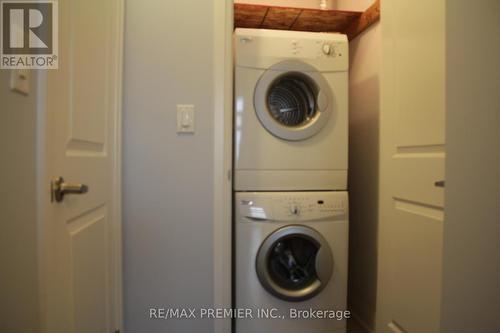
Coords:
pixel 307 207
pixel 294 207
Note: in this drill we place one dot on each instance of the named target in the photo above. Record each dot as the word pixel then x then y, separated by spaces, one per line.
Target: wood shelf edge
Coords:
pixel 350 23
pixel 369 17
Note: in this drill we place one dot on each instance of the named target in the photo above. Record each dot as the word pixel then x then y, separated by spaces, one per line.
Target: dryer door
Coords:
pixel 294 263
pixel 292 100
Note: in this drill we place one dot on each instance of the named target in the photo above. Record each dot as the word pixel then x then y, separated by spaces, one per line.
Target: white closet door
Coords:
pixel 412 160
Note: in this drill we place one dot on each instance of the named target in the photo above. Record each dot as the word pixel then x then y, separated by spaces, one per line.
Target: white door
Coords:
pixel 81 271
pixel 412 160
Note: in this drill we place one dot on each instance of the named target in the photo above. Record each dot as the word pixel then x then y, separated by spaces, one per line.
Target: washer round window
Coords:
pixel 291 262
pixel 291 99
pixel 294 263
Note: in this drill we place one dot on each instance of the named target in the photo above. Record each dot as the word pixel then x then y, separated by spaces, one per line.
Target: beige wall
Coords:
pixel 18 229
pixel 363 173
pixel 290 3
pixel 471 263
pixel 356 5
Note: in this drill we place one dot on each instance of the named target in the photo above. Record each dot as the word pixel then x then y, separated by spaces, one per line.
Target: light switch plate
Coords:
pixel 185 118
pixel 20 81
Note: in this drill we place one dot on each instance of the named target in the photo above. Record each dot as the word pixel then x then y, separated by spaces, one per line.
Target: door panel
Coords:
pixel 419 79
pixel 89 69
pixel 88 243
pixel 414 177
pixel 416 267
pixel 83 96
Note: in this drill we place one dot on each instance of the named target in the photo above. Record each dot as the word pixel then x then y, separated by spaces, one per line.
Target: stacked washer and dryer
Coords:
pixel 290 180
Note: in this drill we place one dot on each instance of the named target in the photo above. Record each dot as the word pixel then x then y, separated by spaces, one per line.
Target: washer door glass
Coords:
pixel 293 101
pixel 294 263
pixel 291 262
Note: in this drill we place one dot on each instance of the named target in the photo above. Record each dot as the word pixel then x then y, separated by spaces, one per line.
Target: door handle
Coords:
pixel 59 188
pixel 439 183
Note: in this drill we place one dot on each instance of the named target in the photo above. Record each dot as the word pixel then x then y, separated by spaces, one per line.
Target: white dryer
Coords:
pixel 291 257
pixel 291 110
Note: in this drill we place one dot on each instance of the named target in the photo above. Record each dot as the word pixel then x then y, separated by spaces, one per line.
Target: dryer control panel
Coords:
pixel 260 48
pixel 292 206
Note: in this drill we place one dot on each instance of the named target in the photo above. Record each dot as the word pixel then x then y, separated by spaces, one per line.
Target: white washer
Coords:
pixel 291 253
pixel 291 103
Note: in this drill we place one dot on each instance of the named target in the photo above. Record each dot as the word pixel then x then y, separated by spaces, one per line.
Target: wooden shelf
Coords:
pixel 304 19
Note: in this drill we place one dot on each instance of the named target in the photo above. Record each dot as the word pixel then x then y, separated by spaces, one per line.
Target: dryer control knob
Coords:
pixel 327 49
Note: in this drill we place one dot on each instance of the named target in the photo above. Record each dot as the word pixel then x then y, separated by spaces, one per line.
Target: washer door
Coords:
pixel 293 100
pixel 294 263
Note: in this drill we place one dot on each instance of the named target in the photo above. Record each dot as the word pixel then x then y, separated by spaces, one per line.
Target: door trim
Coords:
pixel 117 181
pixel 222 195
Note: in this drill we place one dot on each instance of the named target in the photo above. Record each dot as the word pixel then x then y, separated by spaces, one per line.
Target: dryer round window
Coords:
pixel 292 100
pixel 294 263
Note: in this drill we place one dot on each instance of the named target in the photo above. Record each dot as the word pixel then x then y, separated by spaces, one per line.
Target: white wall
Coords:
pixel 471 270
pixel 289 3
pixel 364 109
pixel 363 173
pixel 168 182
pixel 18 229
